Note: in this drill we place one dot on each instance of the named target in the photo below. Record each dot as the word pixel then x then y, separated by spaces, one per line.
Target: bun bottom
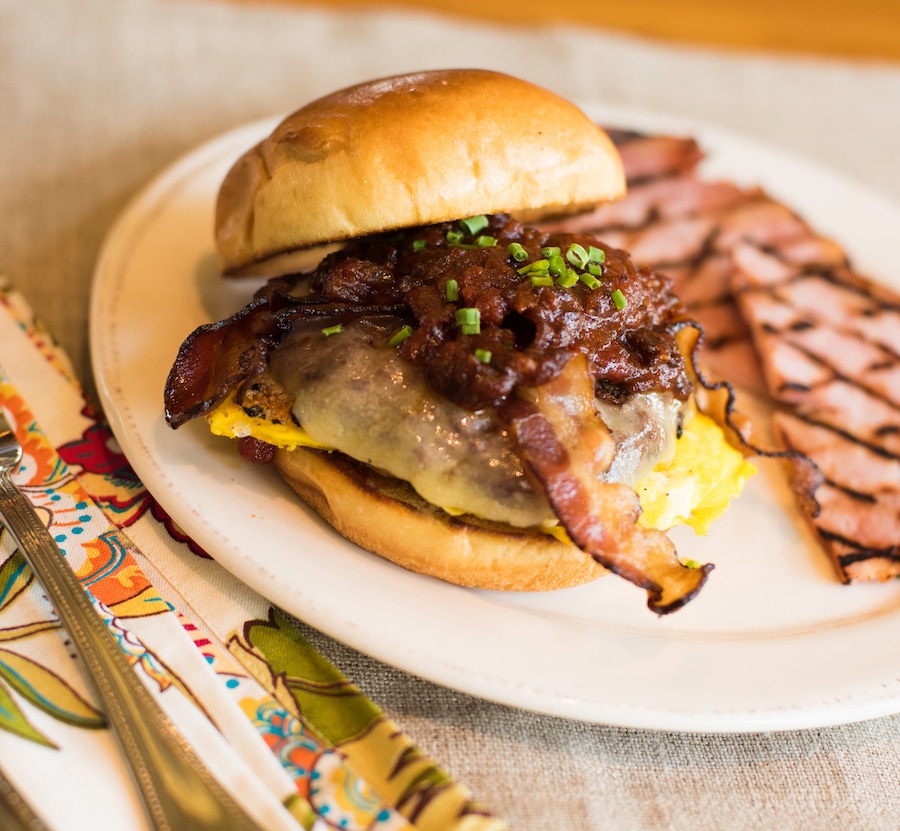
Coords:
pixel 385 516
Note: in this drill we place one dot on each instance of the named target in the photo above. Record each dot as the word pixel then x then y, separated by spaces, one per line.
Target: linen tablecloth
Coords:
pixel 97 96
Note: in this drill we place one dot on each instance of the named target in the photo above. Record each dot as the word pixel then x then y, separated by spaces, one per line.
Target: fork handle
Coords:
pixel 180 794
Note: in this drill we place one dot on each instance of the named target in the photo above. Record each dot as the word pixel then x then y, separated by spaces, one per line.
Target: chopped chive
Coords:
pixel 469 320
pixel 485 241
pixel 399 336
pixel 451 290
pixel 517 252
pixel 537 265
pixel 474 224
pixel 418 245
pixel 577 255
pixel 483 355
pixel 589 280
pixel 568 278
pixel 454 237
pixel 596 255
pixel 595 269
pixel 333 330
pixel 557 264
pixel 691 564
pixel 541 279
pixel 619 299
pixel 551 251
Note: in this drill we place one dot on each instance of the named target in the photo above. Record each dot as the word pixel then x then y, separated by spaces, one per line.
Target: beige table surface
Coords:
pixel 96 96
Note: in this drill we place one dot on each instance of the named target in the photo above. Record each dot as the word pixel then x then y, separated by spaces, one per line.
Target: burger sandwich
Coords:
pixel 451 387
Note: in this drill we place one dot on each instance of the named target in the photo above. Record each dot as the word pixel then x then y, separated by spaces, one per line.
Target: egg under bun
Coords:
pixel 412 150
pixel 385 516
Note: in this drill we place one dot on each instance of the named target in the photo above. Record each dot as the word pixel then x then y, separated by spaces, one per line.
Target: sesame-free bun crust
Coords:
pixel 385 516
pixel 412 150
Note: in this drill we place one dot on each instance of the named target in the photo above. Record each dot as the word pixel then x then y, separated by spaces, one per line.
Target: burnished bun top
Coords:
pixel 412 150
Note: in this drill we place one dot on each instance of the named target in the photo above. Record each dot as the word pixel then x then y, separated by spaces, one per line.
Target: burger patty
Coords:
pixel 355 393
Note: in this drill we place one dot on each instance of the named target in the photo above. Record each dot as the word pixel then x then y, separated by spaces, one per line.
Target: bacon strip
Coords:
pixel 221 357
pixel 568 449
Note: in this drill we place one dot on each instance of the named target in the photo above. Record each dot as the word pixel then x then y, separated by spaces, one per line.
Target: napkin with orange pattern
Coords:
pixel 278 723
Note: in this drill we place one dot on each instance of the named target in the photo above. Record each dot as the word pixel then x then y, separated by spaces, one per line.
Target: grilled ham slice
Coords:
pixel 830 344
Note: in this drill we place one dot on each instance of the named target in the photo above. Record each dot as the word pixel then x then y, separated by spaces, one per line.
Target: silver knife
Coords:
pixel 179 793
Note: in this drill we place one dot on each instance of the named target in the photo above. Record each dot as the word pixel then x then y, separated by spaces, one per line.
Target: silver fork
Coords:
pixel 180 794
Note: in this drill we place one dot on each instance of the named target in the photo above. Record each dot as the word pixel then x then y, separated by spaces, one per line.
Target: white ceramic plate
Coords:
pixel 773 642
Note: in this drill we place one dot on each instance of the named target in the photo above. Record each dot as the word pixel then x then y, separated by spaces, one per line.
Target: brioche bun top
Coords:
pixel 412 150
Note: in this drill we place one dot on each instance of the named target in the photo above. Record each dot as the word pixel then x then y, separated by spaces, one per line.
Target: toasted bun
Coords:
pixel 412 150
pixel 385 516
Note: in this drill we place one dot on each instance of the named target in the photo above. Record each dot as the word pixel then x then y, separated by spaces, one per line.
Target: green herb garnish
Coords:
pixel 589 280
pixel 474 224
pixel 400 335
pixel 619 299
pixel 333 330
pixel 536 266
pixel 517 252
pixel 577 255
pixel 469 320
pixel 541 279
pixel 451 290
pixel 557 264
pixel 483 355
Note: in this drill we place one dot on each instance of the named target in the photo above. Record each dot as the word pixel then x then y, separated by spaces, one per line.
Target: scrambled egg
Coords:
pixel 698 484
pixel 230 420
pixel 694 488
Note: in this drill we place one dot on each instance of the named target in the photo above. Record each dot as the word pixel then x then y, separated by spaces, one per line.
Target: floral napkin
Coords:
pixel 281 727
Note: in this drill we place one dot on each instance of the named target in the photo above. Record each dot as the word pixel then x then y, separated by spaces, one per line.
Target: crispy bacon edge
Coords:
pixel 218 359
pixel 566 445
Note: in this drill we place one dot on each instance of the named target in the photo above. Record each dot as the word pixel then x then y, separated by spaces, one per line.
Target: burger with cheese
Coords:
pixel 453 388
